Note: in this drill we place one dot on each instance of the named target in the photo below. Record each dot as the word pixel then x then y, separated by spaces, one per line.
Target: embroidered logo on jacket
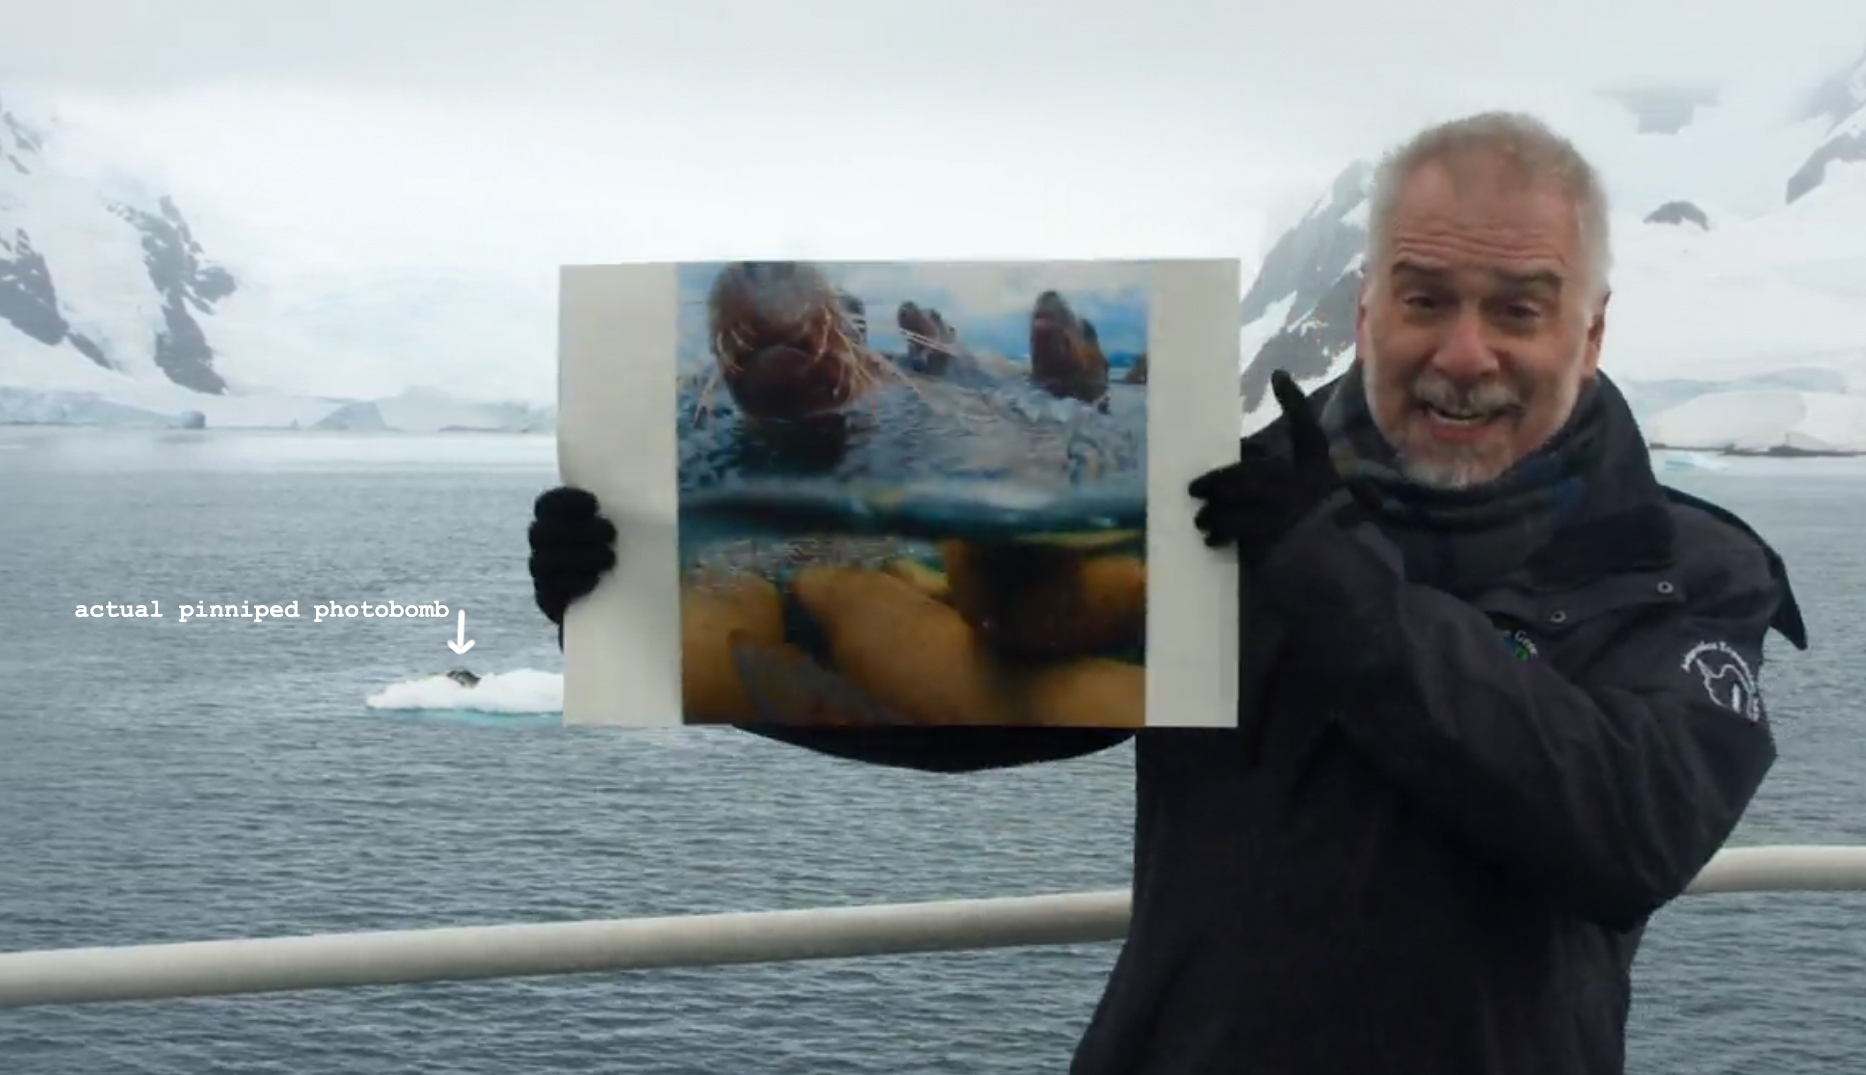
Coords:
pixel 1521 645
pixel 1727 678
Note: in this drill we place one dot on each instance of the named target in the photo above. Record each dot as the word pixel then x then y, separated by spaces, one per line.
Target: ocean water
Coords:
pixel 911 429
pixel 162 781
pixel 982 459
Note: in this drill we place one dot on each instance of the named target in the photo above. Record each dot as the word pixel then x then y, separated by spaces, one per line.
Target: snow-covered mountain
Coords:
pixel 1841 103
pixel 1740 266
pixel 112 313
pixel 1299 311
pixel 1740 242
pixel 160 284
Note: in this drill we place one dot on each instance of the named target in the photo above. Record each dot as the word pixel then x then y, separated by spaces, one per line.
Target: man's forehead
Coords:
pixel 1486 215
pixel 1525 274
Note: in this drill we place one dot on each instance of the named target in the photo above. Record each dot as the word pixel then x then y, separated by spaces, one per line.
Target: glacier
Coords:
pixel 427 410
pixel 26 406
pixel 1764 422
pixel 418 410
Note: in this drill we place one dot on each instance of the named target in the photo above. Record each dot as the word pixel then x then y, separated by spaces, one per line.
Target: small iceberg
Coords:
pixel 524 692
pixel 1676 460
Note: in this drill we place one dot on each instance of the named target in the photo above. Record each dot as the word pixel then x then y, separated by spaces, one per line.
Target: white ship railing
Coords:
pixel 399 957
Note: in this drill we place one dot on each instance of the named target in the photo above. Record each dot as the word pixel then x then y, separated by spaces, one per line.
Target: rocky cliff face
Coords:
pixel 29 299
pixel 188 284
pixel 1679 213
pixel 1310 284
pixel 1841 102
pixel 49 289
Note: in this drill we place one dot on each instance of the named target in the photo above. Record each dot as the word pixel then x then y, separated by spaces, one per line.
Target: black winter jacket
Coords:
pixel 1434 846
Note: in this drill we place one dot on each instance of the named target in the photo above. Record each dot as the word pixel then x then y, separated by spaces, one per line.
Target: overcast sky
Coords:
pixel 412 132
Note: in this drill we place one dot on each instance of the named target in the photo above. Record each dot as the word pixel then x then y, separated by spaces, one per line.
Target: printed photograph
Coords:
pixel 913 492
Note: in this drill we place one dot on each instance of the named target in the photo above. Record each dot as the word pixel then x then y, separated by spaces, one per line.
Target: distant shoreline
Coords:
pixel 1778 451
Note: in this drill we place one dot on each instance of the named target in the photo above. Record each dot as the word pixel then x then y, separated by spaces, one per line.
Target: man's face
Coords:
pixel 1478 332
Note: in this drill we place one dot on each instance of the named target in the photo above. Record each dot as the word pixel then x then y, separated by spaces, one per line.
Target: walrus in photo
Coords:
pixel 1066 358
pixel 1137 373
pixel 787 345
pixel 930 340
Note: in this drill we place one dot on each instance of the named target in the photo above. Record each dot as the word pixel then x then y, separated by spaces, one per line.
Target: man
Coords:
pixel 1499 687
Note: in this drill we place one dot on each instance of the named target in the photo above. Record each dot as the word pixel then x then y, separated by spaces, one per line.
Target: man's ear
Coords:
pixel 1360 313
pixel 1596 335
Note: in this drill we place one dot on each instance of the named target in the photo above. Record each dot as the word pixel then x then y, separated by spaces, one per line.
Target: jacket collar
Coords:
pixel 1624 524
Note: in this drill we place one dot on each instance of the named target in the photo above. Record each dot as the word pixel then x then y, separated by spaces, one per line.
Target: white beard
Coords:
pixel 1451 466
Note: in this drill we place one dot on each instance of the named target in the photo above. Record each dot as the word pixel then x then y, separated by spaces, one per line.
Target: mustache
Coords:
pixel 1484 397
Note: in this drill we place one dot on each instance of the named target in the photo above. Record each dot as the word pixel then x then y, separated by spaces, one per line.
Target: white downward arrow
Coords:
pixel 463 643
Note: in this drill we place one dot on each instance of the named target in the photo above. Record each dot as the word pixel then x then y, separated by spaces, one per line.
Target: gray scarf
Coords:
pixel 1460 539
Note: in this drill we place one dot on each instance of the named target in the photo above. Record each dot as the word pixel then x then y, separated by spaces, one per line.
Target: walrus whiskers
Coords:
pixel 873 367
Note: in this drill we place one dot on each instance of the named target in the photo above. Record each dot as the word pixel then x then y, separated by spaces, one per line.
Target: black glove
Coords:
pixel 572 546
pixel 1252 503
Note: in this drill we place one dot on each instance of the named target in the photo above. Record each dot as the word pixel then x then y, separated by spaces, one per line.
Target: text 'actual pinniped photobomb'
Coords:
pixel 258 613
